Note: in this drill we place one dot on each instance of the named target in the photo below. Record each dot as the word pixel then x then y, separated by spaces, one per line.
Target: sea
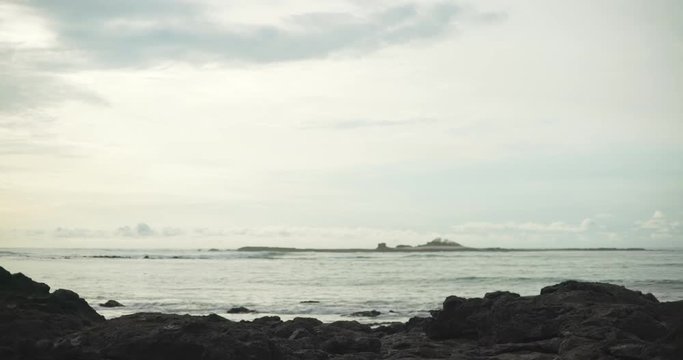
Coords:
pixel 328 286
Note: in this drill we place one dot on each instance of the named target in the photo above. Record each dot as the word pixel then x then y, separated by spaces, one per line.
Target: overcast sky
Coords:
pixel 147 123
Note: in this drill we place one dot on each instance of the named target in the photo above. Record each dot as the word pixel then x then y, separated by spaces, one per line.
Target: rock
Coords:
pixel 30 316
pixel 240 310
pixel 350 325
pixel 164 336
pixel 570 320
pixel 298 334
pixel 268 320
pixel 287 328
pixel 111 303
pixel 391 328
pixel 498 294
pixel 585 320
pixel 371 313
pixel 416 324
pixel 20 284
pixel 341 344
pixel 582 292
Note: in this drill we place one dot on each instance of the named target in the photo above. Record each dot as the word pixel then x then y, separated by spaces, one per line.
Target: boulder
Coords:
pixel 570 320
pixel 154 336
pixel 20 284
pixel 579 318
pixel 370 313
pixel 240 310
pixel 111 303
pixel 31 316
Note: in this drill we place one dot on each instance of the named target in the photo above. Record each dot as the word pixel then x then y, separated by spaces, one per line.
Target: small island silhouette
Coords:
pixel 436 245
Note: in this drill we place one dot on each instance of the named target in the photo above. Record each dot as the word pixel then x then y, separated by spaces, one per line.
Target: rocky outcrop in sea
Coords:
pixel 570 320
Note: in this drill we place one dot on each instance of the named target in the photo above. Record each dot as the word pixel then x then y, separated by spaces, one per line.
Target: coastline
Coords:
pixel 423 249
pixel 436 245
pixel 569 320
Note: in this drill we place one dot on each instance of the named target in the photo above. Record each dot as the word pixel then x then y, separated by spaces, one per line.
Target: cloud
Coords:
pixel 140 230
pixel 365 123
pixel 134 33
pixel 172 231
pixel 49 147
pixel 530 227
pixel 233 237
pixel 125 231
pixel 585 234
pixel 25 90
pixel 61 232
pixel 33 132
pixel 144 230
pixel 42 39
pixel 30 60
pixel 659 226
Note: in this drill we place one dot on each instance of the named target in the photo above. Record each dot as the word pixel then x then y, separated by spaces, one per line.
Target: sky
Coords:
pixel 341 123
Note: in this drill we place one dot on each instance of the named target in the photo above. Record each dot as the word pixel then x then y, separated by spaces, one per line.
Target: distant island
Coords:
pixel 436 245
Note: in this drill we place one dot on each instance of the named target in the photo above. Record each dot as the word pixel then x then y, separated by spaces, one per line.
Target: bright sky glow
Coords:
pixel 162 123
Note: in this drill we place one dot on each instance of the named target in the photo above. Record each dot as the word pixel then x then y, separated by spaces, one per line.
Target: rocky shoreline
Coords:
pixel 570 320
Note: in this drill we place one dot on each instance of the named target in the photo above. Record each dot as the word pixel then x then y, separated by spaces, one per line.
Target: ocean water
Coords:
pixel 399 285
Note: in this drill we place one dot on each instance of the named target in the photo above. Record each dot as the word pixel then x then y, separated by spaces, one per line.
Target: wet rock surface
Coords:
pixel 368 313
pixel 111 303
pixel 32 318
pixel 571 320
pixel 240 310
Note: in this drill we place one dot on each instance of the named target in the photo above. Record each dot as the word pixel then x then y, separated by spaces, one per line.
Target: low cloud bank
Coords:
pixel 655 231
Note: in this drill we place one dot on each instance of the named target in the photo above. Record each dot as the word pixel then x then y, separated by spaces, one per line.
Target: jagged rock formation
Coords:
pixel 32 318
pixel 571 320
pixel 575 320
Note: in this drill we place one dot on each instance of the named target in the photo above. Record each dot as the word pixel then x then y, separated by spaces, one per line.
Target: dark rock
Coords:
pixel 240 310
pixel 340 344
pixel 111 303
pixel 30 316
pixel 165 336
pixel 582 292
pixel 268 320
pixel 351 325
pixel 417 324
pixel 391 328
pixel 20 284
pixel 287 328
pixel 567 321
pixel 299 333
pixel 585 320
pixel 498 294
pixel 370 313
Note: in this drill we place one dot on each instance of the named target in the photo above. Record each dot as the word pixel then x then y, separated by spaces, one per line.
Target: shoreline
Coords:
pixel 417 249
pixel 12 249
pixel 569 320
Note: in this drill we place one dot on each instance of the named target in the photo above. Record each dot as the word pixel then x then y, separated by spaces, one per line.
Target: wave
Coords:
pixel 11 253
pixel 676 264
pixel 547 280
pixel 632 282
pixel 151 256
